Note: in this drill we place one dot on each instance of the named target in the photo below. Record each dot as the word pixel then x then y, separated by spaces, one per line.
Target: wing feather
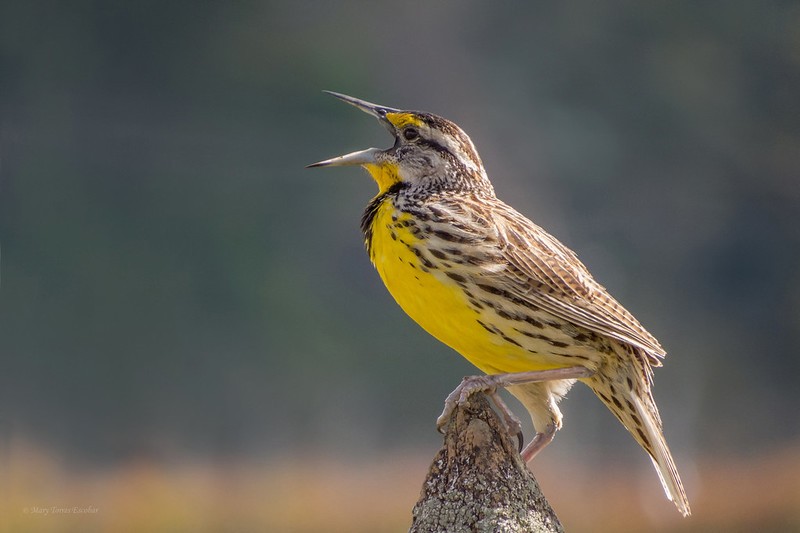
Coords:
pixel 548 275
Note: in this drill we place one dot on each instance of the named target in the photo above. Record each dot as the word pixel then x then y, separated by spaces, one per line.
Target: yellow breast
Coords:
pixel 435 301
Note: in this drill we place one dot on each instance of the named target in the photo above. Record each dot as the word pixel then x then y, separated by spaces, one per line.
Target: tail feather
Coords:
pixel 631 401
pixel 660 454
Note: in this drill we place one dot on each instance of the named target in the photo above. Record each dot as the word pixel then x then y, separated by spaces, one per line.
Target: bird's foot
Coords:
pixel 487 385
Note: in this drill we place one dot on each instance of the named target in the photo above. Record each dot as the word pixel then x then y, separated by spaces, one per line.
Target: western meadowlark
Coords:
pixel 498 289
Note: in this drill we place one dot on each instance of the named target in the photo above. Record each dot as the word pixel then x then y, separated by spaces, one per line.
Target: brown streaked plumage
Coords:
pixel 500 290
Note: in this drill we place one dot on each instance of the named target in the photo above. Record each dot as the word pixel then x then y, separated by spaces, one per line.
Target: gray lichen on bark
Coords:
pixel 478 481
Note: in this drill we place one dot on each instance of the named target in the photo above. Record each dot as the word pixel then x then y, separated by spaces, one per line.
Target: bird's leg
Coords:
pixel 489 385
pixel 513 425
pixel 539 442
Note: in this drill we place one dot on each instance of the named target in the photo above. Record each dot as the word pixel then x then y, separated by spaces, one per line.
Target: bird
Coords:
pixel 498 289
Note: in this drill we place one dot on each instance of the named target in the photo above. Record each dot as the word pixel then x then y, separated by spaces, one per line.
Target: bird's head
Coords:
pixel 429 152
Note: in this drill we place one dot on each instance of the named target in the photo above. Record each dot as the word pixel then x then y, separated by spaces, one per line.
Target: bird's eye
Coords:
pixel 410 134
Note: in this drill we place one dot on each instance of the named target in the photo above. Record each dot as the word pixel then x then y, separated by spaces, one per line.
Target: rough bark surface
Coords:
pixel 478 482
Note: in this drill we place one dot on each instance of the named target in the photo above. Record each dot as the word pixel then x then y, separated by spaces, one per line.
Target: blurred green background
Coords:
pixel 176 288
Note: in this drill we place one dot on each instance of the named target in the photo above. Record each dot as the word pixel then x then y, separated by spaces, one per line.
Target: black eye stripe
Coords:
pixel 434 146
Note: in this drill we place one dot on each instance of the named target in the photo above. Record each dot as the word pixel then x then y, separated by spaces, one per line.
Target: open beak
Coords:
pixel 362 157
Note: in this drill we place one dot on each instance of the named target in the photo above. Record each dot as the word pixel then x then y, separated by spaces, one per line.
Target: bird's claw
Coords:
pixel 469 386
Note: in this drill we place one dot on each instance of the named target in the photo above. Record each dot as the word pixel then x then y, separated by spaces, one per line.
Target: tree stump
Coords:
pixel 478 481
